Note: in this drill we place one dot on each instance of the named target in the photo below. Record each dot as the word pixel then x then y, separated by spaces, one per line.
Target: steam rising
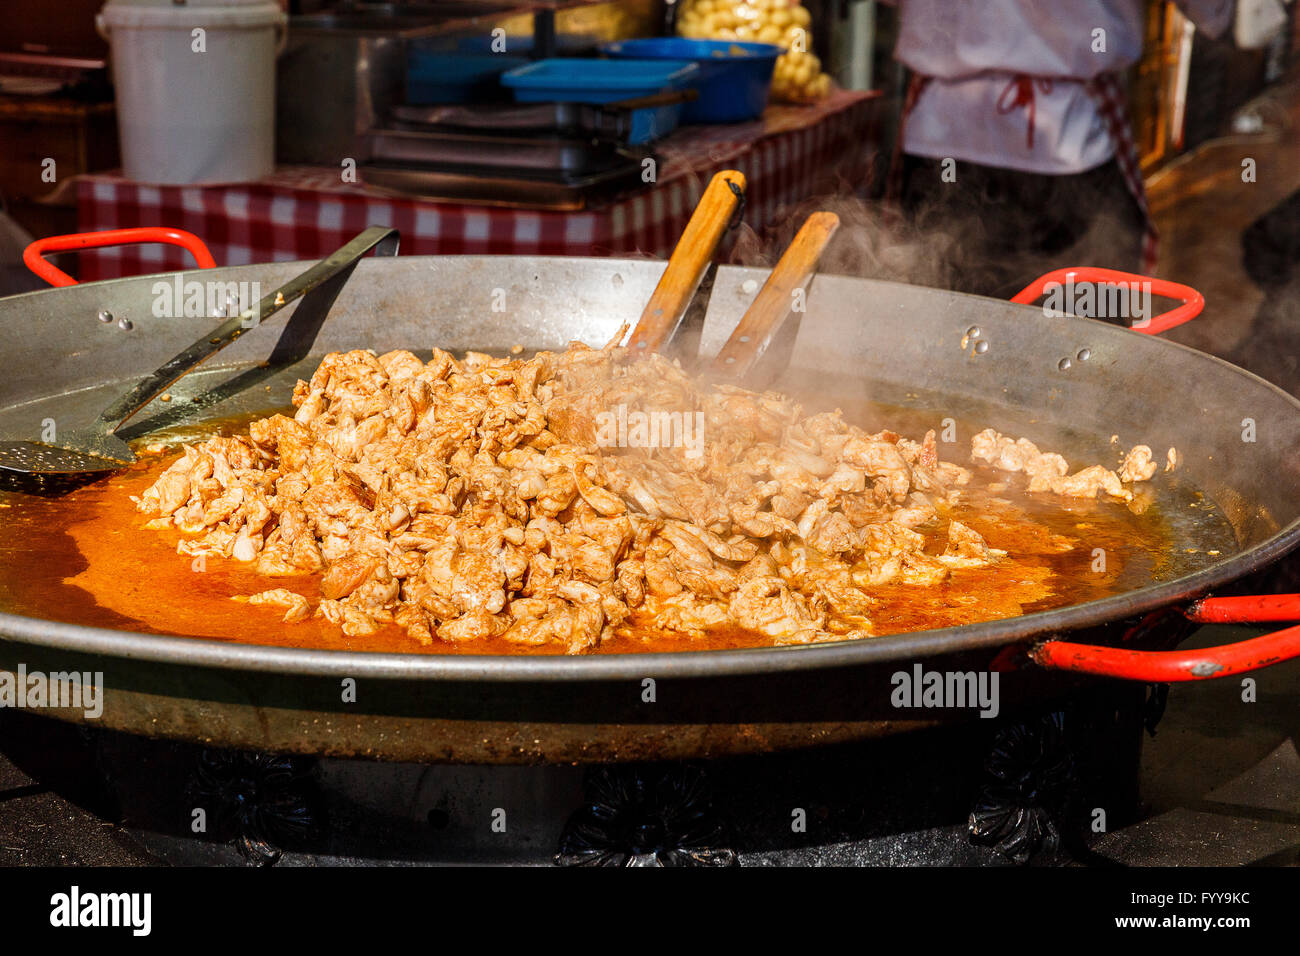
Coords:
pixel 872 242
pixel 961 242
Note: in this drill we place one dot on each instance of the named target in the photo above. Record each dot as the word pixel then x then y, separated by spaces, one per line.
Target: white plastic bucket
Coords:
pixel 194 107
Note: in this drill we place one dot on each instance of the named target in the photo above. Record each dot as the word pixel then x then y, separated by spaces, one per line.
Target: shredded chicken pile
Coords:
pixel 481 498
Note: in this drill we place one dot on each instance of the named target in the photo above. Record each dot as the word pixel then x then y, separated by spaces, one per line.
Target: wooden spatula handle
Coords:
pixel 686 267
pixel 776 299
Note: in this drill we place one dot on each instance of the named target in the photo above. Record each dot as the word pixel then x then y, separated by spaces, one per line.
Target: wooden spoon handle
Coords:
pixel 776 299
pixel 663 313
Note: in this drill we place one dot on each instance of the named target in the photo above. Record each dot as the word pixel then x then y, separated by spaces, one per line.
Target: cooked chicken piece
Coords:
pixel 929 456
pixel 967 548
pixel 760 524
pixel 604 501
pixel 1021 454
pixel 763 565
pixel 400 365
pixel 876 570
pixel 798 461
pixel 297 606
pixel 832 533
pixel 474 625
pixel 1089 481
pixel 630 577
pixel 712 582
pixel 170 491
pixel 951 474
pixel 527 483
pixel 767 605
pixel 1138 465
pixel 591 561
pixel 643 490
pixel 578 628
pixel 347 574
pixel 678 532
pixel 478 582
pixel 378 594
pixel 416 622
pixel 691 615
pixel 845 478
pixel 661 577
pixel 879 541
pixel 880 459
pixel 789 504
pixel 354 621
pixel 275 559
pixel 560 491
pixel 918 510
pixel 310 402
pixel 688 547
pixel 920 569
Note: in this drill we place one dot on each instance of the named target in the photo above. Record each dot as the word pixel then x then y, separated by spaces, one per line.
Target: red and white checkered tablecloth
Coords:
pixel 788 155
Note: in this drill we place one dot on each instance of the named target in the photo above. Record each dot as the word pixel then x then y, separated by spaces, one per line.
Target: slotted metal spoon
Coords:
pixel 97 448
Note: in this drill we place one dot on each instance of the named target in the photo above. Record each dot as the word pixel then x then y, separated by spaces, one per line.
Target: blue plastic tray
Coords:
pixel 458 76
pixel 581 80
pixel 733 79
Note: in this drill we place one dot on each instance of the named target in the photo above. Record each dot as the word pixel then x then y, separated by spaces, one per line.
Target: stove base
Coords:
pixel 1023 788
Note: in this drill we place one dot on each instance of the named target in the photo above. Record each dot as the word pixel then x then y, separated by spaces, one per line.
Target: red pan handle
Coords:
pixel 1169 666
pixel 1250 609
pixel 1193 301
pixel 32 255
pixel 1164 667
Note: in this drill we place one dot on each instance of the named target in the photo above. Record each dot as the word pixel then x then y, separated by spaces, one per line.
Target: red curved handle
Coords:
pixel 1164 667
pixel 1193 301
pixel 32 255
pixel 1250 609
pixel 1167 666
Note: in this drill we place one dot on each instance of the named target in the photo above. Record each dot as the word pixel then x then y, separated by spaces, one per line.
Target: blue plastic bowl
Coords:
pixel 733 79
pixel 581 80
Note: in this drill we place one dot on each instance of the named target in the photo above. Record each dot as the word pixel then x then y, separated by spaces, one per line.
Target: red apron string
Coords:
pixel 1019 92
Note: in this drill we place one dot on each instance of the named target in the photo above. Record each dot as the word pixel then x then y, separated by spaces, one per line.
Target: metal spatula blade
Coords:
pixel 96 449
pixel 75 458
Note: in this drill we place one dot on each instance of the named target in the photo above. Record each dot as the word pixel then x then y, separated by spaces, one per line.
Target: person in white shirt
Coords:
pixel 1014 137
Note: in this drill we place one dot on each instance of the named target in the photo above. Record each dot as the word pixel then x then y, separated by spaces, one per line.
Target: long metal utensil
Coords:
pixel 96 448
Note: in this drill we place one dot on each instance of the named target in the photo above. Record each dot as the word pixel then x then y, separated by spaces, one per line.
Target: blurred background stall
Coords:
pixel 413 113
